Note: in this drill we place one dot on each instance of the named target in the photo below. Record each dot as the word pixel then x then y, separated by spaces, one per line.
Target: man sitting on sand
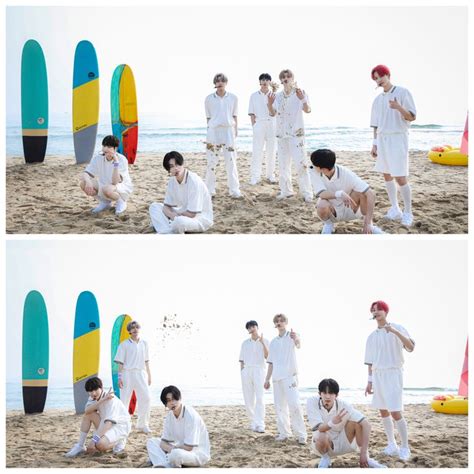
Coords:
pixel 337 427
pixel 342 195
pixel 106 177
pixel 185 441
pixel 188 204
pixel 109 417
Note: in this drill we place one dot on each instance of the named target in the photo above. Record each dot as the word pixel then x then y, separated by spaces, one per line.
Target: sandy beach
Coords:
pixel 436 440
pixel 45 198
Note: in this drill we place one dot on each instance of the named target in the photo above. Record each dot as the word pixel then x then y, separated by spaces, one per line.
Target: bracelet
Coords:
pixel 96 438
pixel 116 164
pixel 374 142
pixel 369 379
pixel 120 375
pixel 338 194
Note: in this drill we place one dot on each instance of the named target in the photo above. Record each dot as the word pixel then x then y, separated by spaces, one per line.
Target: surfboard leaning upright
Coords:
pixel 85 101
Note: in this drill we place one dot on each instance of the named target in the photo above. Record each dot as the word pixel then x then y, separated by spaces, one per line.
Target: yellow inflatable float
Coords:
pixel 450 404
pixel 447 155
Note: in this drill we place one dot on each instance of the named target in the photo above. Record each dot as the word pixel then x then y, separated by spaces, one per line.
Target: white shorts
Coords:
pixel 118 431
pixel 392 154
pixel 341 444
pixel 346 213
pixel 388 389
pixel 122 189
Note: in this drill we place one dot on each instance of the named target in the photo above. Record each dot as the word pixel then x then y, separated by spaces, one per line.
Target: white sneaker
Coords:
pixel 282 196
pixel 120 206
pixel 119 447
pixel 272 180
pixel 75 451
pixel 324 462
pixel 328 227
pixel 377 230
pixel 281 438
pixel 302 440
pixel 404 454
pixel 308 199
pixel 393 214
pixel 103 205
pixel 254 182
pixel 145 430
pixel 391 450
pixel 407 219
pixel 376 465
pixel 236 195
pixel 259 429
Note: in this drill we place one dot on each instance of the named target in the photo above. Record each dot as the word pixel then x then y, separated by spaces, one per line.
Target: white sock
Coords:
pixel 405 191
pixel 82 439
pixel 392 193
pixel 388 427
pixel 403 431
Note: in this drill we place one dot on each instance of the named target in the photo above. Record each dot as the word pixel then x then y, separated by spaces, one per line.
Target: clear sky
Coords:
pixel 325 287
pixel 175 51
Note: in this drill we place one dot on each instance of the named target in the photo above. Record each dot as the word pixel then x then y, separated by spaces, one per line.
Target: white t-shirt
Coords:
pixel 251 353
pixel 389 120
pixel 132 355
pixel 191 195
pixel 112 410
pixel 188 429
pixel 102 169
pixel 343 179
pixel 258 106
pixel 221 110
pixel 289 115
pixel 384 350
pixel 282 354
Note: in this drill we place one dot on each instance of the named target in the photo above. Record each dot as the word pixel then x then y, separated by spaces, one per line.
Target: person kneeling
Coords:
pixel 337 427
pixel 343 196
pixel 188 204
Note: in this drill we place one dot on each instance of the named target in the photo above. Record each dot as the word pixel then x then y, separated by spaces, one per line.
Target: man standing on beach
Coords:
pixel 392 112
pixel 134 374
pixel 384 357
pixel 222 128
pixel 263 128
pixel 187 206
pixel 283 371
pixel 252 357
pixel 288 107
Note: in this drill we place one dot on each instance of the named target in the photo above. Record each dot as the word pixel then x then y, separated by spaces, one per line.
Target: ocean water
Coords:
pixel 62 397
pixel 191 139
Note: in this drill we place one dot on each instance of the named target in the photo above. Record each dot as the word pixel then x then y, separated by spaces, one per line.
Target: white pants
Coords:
pixel 136 380
pixel 388 389
pixel 253 379
pixel 179 225
pixel 392 154
pixel 221 140
pixel 263 133
pixel 288 149
pixel 176 458
pixel 287 407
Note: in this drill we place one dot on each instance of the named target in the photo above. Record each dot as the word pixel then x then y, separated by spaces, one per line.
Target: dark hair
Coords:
pixel 111 140
pixel 131 325
pixel 251 323
pixel 323 158
pixel 176 394
pixel 265 77
pixel 172 155
pixel 328 386
pixel 93 384
pixel 220 76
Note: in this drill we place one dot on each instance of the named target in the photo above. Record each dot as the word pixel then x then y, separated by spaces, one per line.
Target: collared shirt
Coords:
pixel 99 167
pixel 252 353
pixel 221 110
pixel 282 354
pixel 258 106
pixel 112 410
pixel 132 355
pixel 289 115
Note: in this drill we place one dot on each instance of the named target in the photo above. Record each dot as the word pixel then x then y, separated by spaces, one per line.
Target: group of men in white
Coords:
pixel 278 125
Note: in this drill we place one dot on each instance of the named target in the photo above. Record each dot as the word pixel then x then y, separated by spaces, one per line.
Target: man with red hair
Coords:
pixel 392 112
pixel 384 357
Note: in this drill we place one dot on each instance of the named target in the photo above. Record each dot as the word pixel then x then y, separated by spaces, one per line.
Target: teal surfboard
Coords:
pixel 35 353
pixel 34 102
pixel 86 347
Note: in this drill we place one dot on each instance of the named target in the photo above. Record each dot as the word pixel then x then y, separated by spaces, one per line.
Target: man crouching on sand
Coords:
pixel 109 417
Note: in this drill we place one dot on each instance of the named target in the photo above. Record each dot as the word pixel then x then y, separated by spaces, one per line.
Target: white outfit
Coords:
pixel 282 354
pixel 384 351
pixel 392 131
pixel 220 138
pixel 190 195
pixel 133 356
pixel 253 379
pixel 343 179
pixel 290 135
pixel 318 414
pixel 188 429
pixel 263 135
pixel 101 169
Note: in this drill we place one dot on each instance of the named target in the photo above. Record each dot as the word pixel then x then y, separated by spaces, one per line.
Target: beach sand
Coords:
pixel 436 440
pixel 45 198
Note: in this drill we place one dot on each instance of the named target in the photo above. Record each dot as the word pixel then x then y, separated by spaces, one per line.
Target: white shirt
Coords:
pixel 102 169
pixel 282 354
pixel 258 106
pixel 318 414
pixel 112 410
pixel 384 350
pixel 221 110
pixel 343 179
pixel 132 355
pixel 190 195
pixel 289 115
pixel 251 353
pixel 389 120
pixel 188 429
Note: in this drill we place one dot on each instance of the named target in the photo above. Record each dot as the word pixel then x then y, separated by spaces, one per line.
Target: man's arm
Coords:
pixel 368 388
pixel 266 385
pixel 169 212
pixel 252 119
pixel 406 114
pixel 147 366
pixel 236 125
pixel 408 344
